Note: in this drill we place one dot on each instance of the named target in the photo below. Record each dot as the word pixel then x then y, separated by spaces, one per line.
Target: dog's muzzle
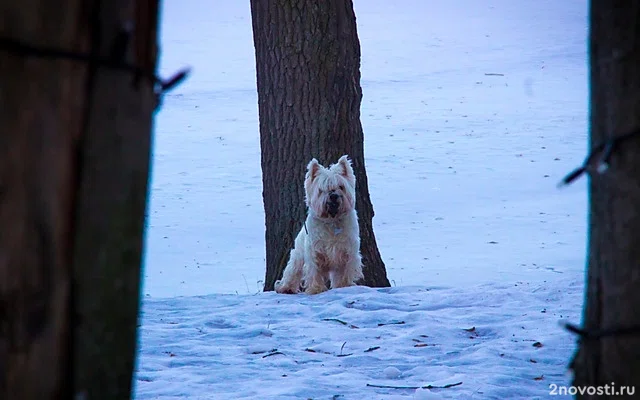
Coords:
pixel 333 205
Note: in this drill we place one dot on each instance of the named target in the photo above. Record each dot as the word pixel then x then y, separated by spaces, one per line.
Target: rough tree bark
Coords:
pixel 72 198
pixel 309 95
pixel 613 279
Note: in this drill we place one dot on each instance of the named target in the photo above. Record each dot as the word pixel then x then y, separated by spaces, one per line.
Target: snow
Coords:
pixel 271 346
pixel 472 113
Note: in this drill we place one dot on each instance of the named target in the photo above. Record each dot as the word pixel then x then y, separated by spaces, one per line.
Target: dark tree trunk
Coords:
pixel 40 123
pixel 110 211
pixel 309 95
pixel 72 199
pixel 613 281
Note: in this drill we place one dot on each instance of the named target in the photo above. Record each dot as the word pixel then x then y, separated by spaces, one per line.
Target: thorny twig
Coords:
pixel 602 333
pixel 115 61
pixel 599 158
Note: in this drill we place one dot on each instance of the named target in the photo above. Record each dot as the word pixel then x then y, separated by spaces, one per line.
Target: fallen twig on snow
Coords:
pixel 263 351
pixel 273 353
pixel 341 322
pixel 342 348
pixel 328 353
pixel 391 323
pixel 447 386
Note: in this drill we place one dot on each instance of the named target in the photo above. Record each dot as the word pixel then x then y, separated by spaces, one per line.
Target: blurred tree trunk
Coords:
pixel 309 95
pixel 72 199
pixel 613 281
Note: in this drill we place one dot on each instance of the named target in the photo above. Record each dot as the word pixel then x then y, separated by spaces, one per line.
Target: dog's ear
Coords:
pixel 345 169
pixel 313 168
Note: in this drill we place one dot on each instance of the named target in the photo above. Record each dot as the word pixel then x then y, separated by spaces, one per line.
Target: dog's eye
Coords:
pixel 320 191
pixel 342 187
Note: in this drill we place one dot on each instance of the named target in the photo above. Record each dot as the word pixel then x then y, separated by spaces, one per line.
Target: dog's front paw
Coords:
pixel 315 289
pixel 285 289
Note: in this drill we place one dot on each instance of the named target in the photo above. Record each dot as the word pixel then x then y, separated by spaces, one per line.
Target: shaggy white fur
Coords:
pixel 328 245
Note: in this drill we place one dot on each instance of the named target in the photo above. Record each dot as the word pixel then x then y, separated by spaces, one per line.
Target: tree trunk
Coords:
pixel 309 95
pixel 110 211
pixel 74 160
pixel 40 119
pixel 613 281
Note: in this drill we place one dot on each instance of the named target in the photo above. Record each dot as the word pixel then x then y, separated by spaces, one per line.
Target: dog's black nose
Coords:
pixel 334 197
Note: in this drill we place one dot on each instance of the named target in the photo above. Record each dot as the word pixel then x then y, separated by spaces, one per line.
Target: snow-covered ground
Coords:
pixel 472 112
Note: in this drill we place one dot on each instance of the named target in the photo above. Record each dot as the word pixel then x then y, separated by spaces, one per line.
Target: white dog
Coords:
pixel 328 245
